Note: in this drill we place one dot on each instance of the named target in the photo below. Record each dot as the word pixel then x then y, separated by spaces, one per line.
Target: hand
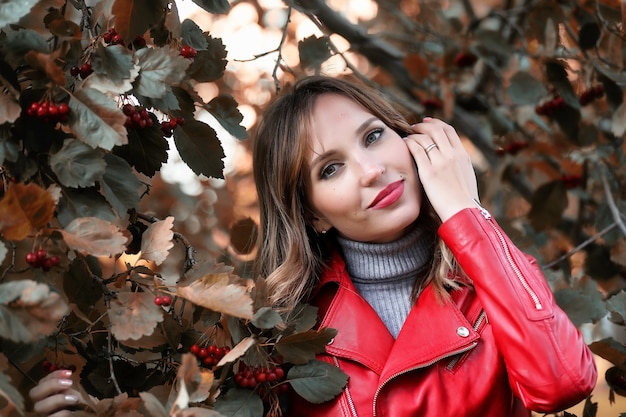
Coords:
pixel 53 396
pixel 445 170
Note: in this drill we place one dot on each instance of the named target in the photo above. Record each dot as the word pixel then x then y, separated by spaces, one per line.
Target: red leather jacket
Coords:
pixel 499 348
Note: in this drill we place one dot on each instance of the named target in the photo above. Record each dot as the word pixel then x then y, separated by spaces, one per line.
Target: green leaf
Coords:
pixel 11 395
pixel 86 202
pixel 146 149
pixel 611 350
pixel 193 35
pixel 29 310
pixel 583 305
pixel 525 89
pixel 239 403
pixel 548 203
pixel 617 304
pixel 224 109
pixel 79 287
pixel 557 76
pixel 120 185
pixel 313 51
pixel 77 164
pixel 302 347
pixel 13 10
pixel 305 316
pixel 160 68
pixel 317 381
pixel 96 119
pixel 266 318
pixel 114 61
pixel 199 147
pixel 17 43
pixel 214 6
pixel 209 64
pixel 135 17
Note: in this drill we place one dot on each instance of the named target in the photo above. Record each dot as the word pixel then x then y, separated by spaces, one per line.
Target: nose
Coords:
pixel 371 170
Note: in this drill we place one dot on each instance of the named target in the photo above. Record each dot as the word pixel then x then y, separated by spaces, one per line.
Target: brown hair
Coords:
pixel 291 253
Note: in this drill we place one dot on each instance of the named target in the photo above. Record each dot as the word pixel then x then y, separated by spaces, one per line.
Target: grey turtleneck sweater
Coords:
pixel 384 273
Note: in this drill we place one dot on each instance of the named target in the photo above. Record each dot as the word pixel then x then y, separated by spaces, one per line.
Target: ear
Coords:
pixel 321 225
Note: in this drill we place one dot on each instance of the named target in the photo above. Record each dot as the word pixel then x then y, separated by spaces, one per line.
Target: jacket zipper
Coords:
pixel 477 324
pixel 424 365
pixel 509 257
pixel 348 395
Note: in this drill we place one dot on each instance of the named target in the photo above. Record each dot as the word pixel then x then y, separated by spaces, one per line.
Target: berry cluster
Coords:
pixel 432 103
pixel 111 37
pixel 168 126
pixel 512 148
pixel 465 59
pixel 83 71
pixel 137 117
pixel 188 52
pixel 572 181
pixel 261 378
pixel 40 259
pixel 51 367
pixel 548 107
pixel 163 300
pixel 209 355
pixel 49 111
pixel 597 91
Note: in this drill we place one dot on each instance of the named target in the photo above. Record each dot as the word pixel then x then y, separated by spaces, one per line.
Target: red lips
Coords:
pixel 388 195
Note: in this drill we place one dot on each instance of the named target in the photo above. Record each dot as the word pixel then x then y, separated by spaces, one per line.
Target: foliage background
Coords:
pixel 553 179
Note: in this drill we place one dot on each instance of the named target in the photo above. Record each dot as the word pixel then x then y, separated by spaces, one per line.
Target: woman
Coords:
pixel 378 224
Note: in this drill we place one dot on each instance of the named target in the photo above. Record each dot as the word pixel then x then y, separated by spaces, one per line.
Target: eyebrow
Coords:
pixel 359 131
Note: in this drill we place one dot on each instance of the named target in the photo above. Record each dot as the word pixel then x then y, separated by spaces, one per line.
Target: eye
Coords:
pixel 329 170
pixel 373 136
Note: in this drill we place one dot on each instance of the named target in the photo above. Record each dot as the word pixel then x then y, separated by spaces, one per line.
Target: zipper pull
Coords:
pixel 483 210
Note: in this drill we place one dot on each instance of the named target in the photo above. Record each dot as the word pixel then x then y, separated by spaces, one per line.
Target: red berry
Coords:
pixel 85 70
pixel 31 258
pixel 74 71
pixel 280 373
pixel 194 349
pixel 128 109
pixel 166 300
pixel 64 109
pixel 107 37
pixel 203 353
pixel 465 59
pixel 172 123
pixel 41 254
pixel 117 39
pixel 158 300
pixel 180 120
pixel 46 365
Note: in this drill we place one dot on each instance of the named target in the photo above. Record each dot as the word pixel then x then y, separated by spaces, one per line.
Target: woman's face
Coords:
pixel 363 180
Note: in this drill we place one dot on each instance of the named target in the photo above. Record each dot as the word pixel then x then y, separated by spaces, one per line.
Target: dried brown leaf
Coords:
pixel 23 208
pixel 134 315
pixel 156 241
pixel 94 236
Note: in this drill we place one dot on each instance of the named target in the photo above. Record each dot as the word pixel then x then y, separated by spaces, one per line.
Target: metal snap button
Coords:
pixel 463 331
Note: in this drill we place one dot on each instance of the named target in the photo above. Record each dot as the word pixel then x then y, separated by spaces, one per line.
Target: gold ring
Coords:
pixel 430 147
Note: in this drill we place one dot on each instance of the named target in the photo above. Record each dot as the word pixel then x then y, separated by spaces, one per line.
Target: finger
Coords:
pixel 442 133
pixel 417 147
pixel 57 405
pixel 55 382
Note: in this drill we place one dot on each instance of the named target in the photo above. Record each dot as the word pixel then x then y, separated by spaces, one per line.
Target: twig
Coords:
pixel 110 347
pixel 611 203
pixel 580 246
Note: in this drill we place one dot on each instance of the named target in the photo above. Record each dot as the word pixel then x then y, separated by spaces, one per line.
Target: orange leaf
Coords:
pixel 23 208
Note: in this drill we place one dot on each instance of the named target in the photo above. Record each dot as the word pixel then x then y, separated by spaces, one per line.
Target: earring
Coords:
pixel 324 231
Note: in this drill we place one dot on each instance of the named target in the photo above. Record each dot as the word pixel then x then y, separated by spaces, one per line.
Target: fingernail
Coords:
pixel 71 398
pixel 66 373
pixel 65 382
pixel 427 118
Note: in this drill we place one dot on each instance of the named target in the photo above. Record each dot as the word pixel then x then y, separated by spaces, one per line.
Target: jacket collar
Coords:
pixel 433 329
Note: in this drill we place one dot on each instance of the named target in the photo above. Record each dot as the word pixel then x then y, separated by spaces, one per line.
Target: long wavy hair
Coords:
pixel 291 253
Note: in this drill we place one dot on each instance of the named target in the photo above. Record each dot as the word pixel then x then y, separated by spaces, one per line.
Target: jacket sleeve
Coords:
pixel 550 366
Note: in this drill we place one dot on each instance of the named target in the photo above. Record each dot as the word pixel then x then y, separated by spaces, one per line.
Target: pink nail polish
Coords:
pixel 71 398
pixel 65 382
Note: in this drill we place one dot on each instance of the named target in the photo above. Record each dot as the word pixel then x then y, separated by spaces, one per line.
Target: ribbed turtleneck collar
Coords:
pixel 391 261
